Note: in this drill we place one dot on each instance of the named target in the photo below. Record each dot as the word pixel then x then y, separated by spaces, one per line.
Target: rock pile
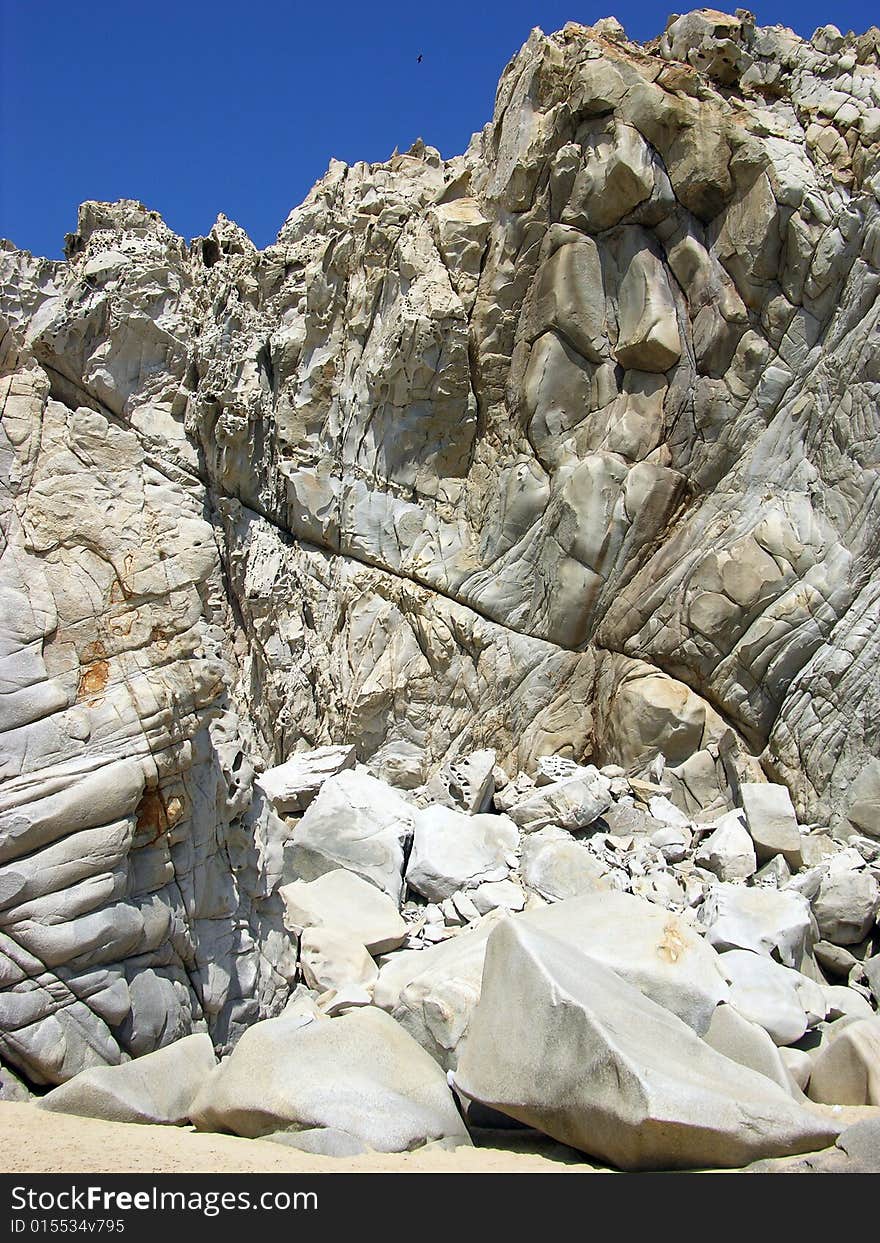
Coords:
pixel 633 985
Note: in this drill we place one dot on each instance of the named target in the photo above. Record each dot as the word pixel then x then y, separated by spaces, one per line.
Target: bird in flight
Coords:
pixel 419 59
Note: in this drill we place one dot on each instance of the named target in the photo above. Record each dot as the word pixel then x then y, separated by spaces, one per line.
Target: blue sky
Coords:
pixel 196 108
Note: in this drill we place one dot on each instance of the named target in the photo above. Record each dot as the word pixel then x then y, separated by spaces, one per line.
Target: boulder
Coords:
pixel 728 851
pixel 322 1141
pixel 748 1044
pixel 861 1141
pixel 504 894
pixel 453 851
pixel 358 823
pixel 158 1088
pixel 772 822
pixel 432 992
pixel 656 951
pixel 466 784
pixel 847 1070
pixel 557 866
pixel 348 903
pixel 570 804
pixel 563 1044
pixel 11 1087
pixel 762 920
pixel 334 959
pixel 291 787
pixel 846 905
pixel 798 1064
pixel 773 996
pixel 361 1074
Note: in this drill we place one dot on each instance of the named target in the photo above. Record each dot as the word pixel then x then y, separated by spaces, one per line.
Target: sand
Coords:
pixel 35 1141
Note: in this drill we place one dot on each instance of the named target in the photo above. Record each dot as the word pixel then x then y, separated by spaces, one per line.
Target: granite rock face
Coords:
pixel 564 447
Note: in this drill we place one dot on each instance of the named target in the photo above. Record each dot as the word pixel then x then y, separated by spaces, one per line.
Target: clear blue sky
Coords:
pixel 198 107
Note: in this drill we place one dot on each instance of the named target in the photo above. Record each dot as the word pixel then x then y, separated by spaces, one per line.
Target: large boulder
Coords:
pixel 433 992
pixel 847 1070
pixel 847 903
pixel 651 948
pixel 563 1044
pixel 772 821
pixel 158 1088
pixel 361 1074
pixel 291 787
pixel 347 903
pixel 766 921
pixel 782 1001
pixel 356 822
pixel 453 851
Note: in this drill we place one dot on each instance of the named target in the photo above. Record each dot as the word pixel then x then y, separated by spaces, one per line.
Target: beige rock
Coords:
pixel 624 1080
pixel 847 1070
pixel 347 903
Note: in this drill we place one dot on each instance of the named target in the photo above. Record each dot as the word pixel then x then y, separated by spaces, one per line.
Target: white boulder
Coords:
pixel 358 823
pixel 454 851
pixel 563 1044
pixel 348 903
pixel 361 1074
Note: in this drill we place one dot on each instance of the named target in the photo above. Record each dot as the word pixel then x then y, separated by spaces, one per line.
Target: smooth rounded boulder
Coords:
pixel 158 1088
pixel 847 1070
pixel 361 1074
pixel 562 1043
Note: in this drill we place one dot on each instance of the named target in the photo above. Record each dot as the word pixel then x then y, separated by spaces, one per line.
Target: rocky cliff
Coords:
pixel 567 446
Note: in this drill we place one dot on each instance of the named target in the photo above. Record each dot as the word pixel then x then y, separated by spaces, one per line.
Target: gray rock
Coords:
pixel 772 822
pixel 158 1089
pixel 657 952
pixel 12 1088
pixel 566 1045
pixel 773 996
pixel 358 823
pixel 345 902
pixel 451 851
pixel 557 866
pixel 466 784
pixel 847 1069
pixel 361 1074
pixel 762 920
pixel 291 787
pixel 846 905
pixel 861 1141
pixel 748 1044
pixel 333 959
pixel 571 804
pixel 728 851
pixel 322 1141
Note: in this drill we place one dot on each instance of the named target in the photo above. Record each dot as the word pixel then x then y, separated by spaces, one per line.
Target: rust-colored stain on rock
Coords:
pixel 94 679
pixel 672 946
